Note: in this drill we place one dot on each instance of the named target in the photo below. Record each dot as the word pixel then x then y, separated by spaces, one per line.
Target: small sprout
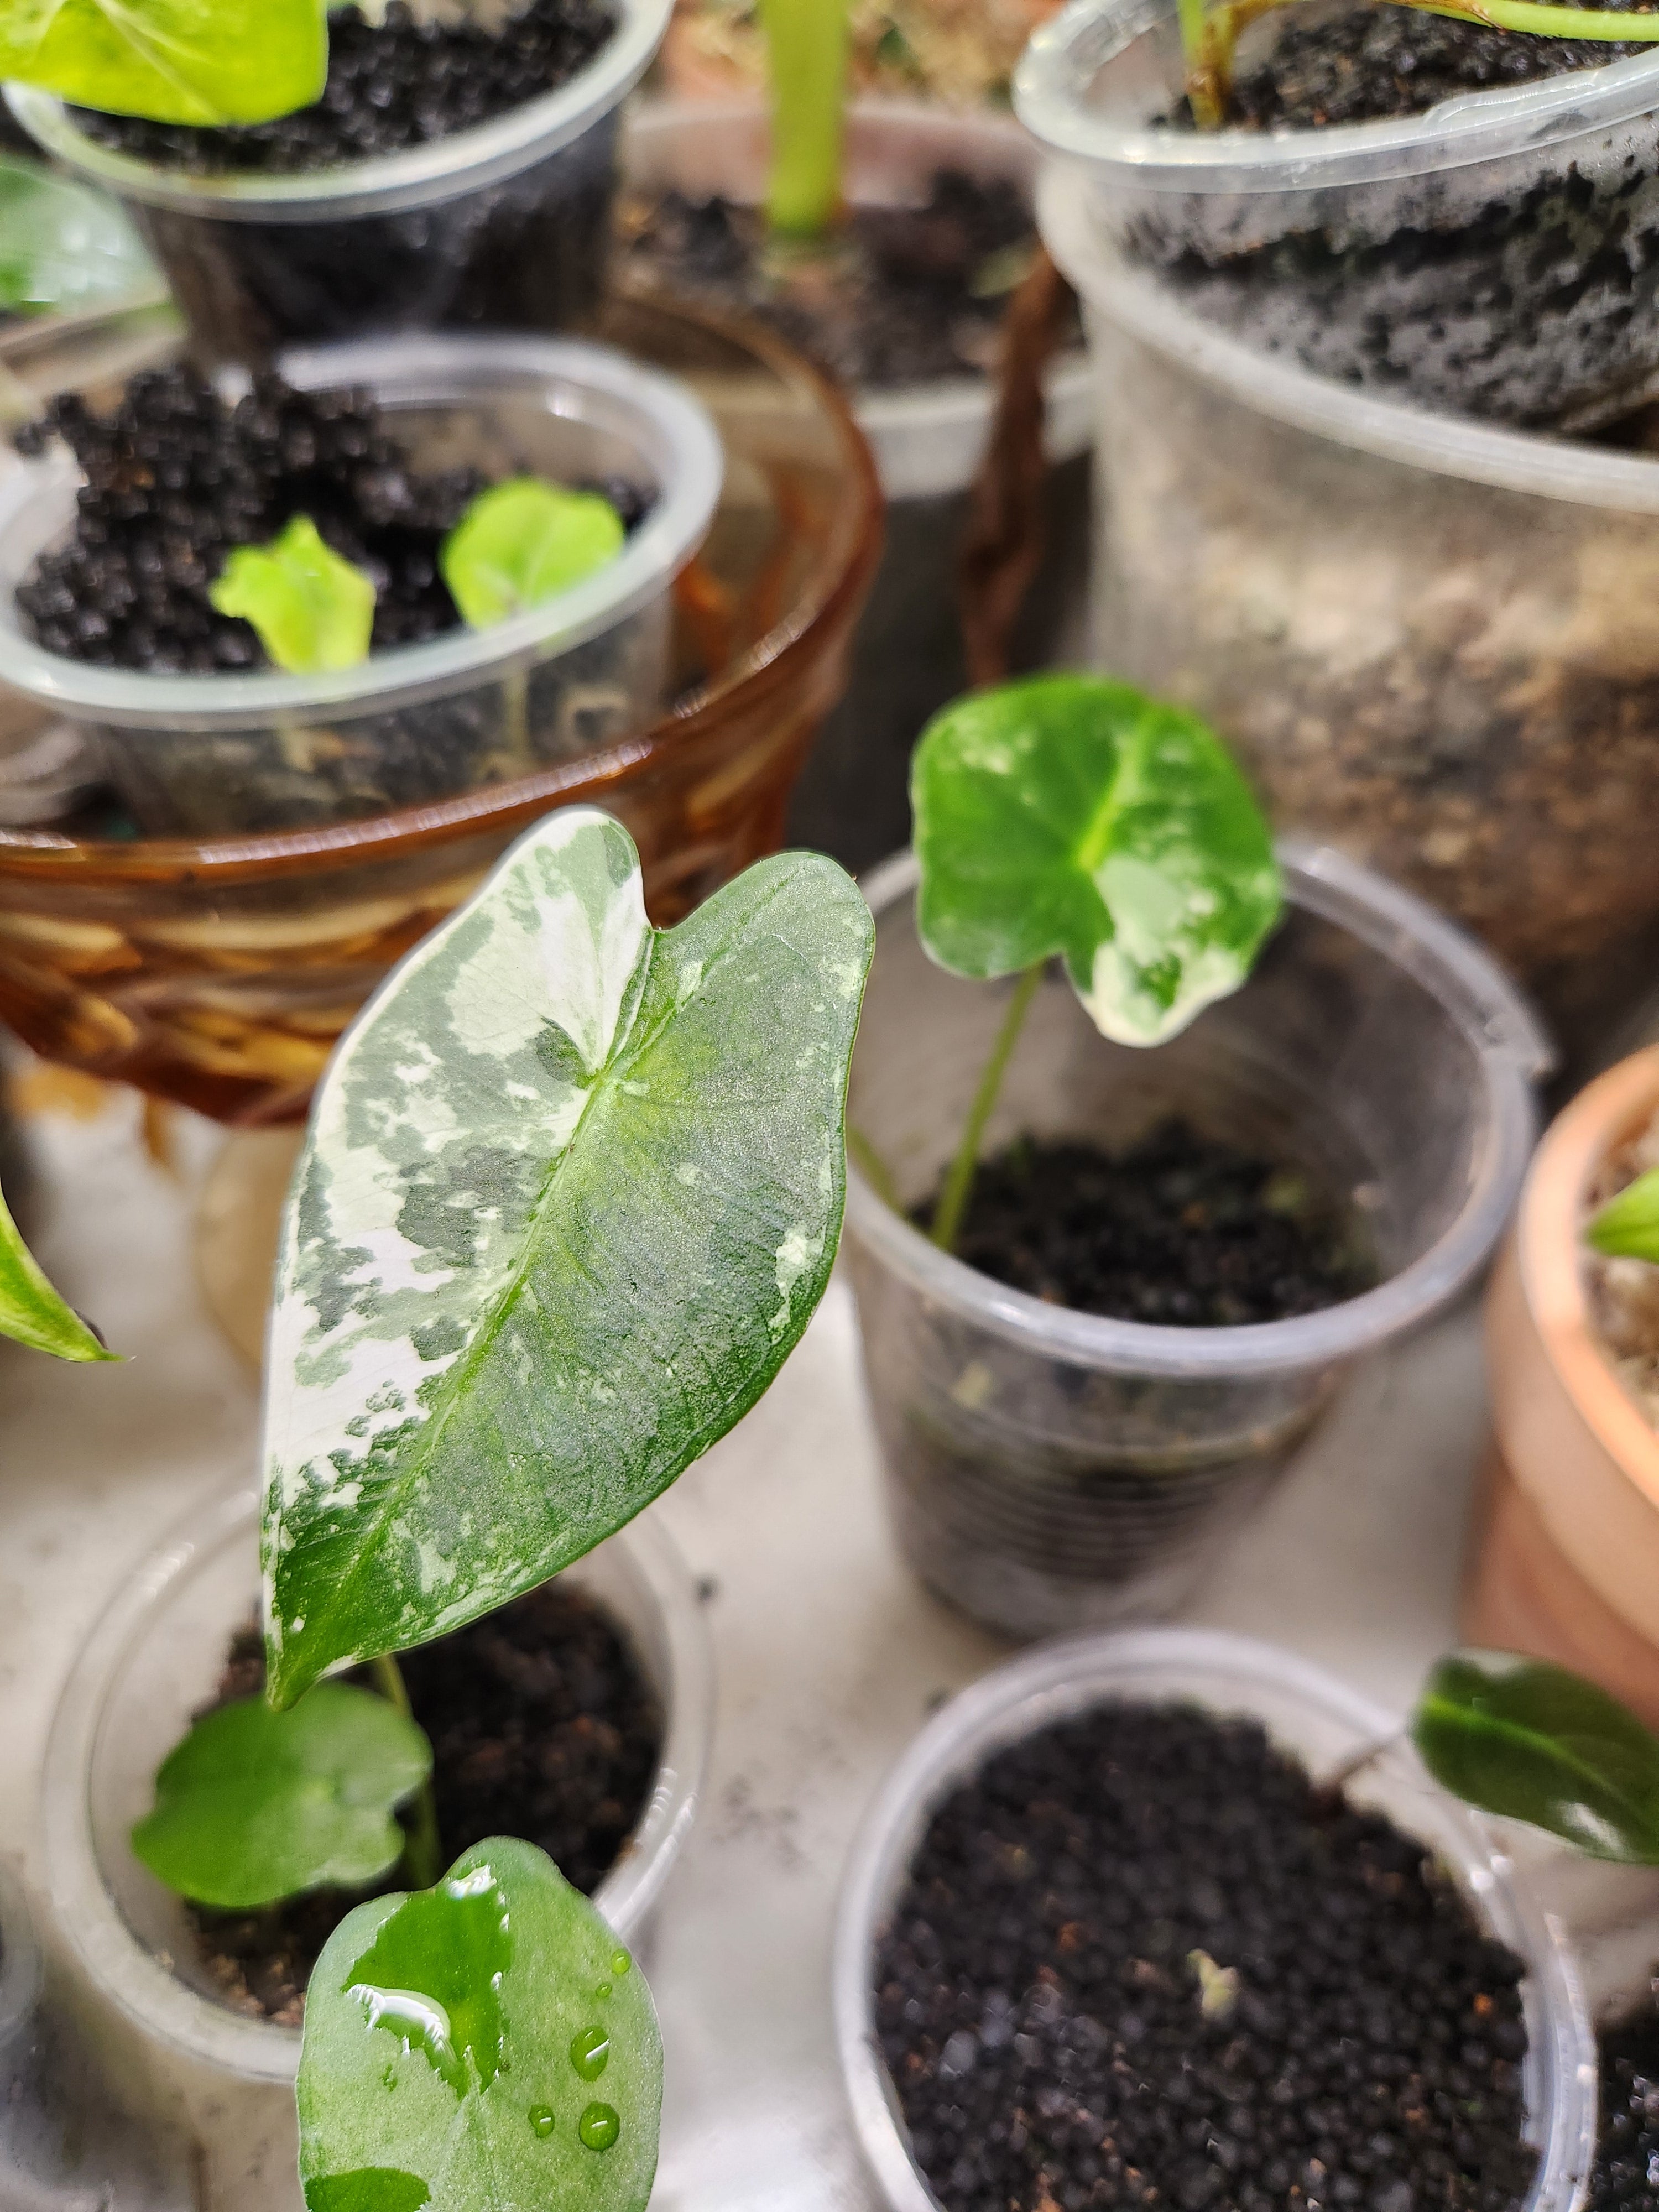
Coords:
pixel 1217 1986
pixel 175 61
pixel 1627 1226
pixel 31 1311
pixel 521 544
pixel 312 609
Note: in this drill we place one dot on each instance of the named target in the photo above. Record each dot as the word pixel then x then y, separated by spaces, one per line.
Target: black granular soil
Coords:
pixel 543 1726
pixel 393 85
pixel 1180 1229
pixel 1042 1991
pixel 1626 2175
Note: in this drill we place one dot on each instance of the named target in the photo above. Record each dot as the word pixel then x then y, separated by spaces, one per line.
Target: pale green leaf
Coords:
pixel 176 61
pixel 572 1189
pixel 484 2046
pixel 312 608
pixel 1627 1226
pixel 31 1311
pixel 522 543
pixel 1074 815
pixel 62 248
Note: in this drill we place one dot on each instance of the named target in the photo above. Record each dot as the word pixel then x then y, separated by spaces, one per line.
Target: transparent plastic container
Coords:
pixel 503 226
pixel 1049 1470
pixel 1309 1713
pixel 1498 254
pixel 1430 639
pixel 152 1662
pixel 216 754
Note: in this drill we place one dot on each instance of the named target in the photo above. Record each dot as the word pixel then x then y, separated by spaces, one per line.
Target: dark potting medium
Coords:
pixel 1626 2175
pixel 543 1726
pixel 1142 1960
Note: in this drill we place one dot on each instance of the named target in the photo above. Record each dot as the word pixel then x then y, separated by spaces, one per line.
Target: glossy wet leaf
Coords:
pixel 1076 816
pixel 1627 1226
pixel 439 2035
pixel 312 608
pixel 572 1189
pixel 31 1311
pixel 1519 1737
pixel 255 1805
pixel 176 61
pixel 522 543
pixel 63 249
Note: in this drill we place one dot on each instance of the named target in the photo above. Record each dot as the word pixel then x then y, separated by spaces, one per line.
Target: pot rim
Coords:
pixel 1511 1047
pixel 388 184
pixel 1072 1674
pixel 1549 1249
pixel 125 1970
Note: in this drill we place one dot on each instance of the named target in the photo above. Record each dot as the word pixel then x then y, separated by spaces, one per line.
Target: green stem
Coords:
pixel 423 1853
pixel 806 56
pixel 959 1182
pixel 877 1173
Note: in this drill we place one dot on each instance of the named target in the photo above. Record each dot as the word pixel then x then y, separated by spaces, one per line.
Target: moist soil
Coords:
pixel 1627 2175
pixel 1181 1230
pixel 400 83
pixel 542 1726
pixel 1142 1960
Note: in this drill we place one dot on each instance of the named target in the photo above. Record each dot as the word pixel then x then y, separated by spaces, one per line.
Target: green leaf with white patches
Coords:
pixel 484 2046
pixel 31 1311
pixel 572 1189
pixel 176 61
pixel 1076 816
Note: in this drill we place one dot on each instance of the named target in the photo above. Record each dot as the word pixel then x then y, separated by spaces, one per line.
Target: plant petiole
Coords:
pixel 423 1853
pixel 959 1182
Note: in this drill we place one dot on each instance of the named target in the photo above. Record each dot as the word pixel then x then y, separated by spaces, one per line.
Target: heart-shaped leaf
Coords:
pixel 572 1189
pixel 1073 815
pixel 524 542
pixel 312 608
pixel 176 61
pixel 255 1805
pixel 1520 1737
pixel 1627 1226
pixel 488 2043
pixel 31 1311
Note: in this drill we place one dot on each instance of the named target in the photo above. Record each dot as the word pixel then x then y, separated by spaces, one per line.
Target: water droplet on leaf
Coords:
pixel 598 2127
pixel 541 2119
pixel 602 1990
pixel 589 2053
pixel 620 1962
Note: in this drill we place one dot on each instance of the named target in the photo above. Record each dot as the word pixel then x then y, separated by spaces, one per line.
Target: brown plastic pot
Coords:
pixel 1566 1561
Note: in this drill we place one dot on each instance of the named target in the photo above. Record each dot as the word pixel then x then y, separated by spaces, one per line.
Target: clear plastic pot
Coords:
pixel 503 226
pixel 1048 1469
pixel 1498 254
pixel 216 754
pixel 152 1662
pixel 1310 1714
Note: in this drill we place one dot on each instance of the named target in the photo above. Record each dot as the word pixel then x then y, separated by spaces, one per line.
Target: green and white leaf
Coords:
pixel 176 61
pixel 31 1311
pixel 1627 1226
pixel 1074 815
pixel 572 1189
pixel 468 2047
pixel 522 543
pixel 254 1805
pixel 312 608
pixel 1535 1742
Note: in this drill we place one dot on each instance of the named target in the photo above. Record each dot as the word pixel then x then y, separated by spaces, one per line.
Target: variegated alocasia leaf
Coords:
pixel 175 61
pixel 1074 815
pixel 572 1187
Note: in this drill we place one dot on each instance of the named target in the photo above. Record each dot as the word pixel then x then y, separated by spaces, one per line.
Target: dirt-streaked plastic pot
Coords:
pixel 503 226
pixel 1497 255
pixel 1048 1469
pixel 1317 1719
pixel 152 1662
pixel 208 754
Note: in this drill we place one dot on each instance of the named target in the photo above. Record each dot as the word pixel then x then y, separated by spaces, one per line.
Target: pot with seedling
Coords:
pixel 1106 1291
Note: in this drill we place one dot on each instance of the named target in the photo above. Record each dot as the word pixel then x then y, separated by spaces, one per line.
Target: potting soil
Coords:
pixel 1142 1960
pixel 1626 2175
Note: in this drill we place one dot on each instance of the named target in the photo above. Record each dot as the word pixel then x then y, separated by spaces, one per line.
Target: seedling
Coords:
pixel 1074 818
pixel 807 43
pixel 176 61
pixel 312 609
pixel 1627 1226
pixel 31 1311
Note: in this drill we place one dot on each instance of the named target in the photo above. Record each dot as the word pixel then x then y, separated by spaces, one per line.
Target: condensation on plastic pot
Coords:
pixel 156 1650
pixel 1314 1716
pixel 464 161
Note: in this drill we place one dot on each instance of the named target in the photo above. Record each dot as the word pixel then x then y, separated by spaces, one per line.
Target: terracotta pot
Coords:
pixel 1566 1562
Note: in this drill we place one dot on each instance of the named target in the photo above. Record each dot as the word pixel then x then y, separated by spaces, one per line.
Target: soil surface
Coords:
pixel 1623 1294
pixel 905 295
pixel 1626 2175
pixel 399 83
pixel 1179 1231
pixel 1141 1960
pixel 542 1726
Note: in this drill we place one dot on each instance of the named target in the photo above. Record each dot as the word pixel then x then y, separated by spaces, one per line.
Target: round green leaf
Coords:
pixel 312 608
pixel 484 2046
pixel 524 542
pixel 1074 815
pixel 176 61
pixel 256 1805
pixel 31 1311
pixel 1627 1226
pixel 1522 1738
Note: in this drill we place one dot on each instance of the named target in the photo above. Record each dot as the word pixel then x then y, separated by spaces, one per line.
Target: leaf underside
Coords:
pixel 175 61
pixel 31 1311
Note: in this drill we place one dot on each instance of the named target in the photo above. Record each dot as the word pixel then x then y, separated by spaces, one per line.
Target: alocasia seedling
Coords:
pixel 312 608
pixel 175 61
pixel 523 541
pixel 31 1311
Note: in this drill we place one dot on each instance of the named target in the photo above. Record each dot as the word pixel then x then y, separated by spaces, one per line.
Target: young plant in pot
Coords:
pixel 303 176
pixel 1104 1292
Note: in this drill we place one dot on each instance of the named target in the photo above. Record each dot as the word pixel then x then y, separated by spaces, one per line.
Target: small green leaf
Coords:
pixel 1074 815
pixel 524 542
pixel 62 248
pixel 31 1311
pixel 1627 1226
pixel 438 2033
pixel 256 1805
pixel 176 61
pixel 312 609
pixel 1522 1738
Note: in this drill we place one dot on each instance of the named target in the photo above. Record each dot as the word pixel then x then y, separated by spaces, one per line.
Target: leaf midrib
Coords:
pixel 1096 842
